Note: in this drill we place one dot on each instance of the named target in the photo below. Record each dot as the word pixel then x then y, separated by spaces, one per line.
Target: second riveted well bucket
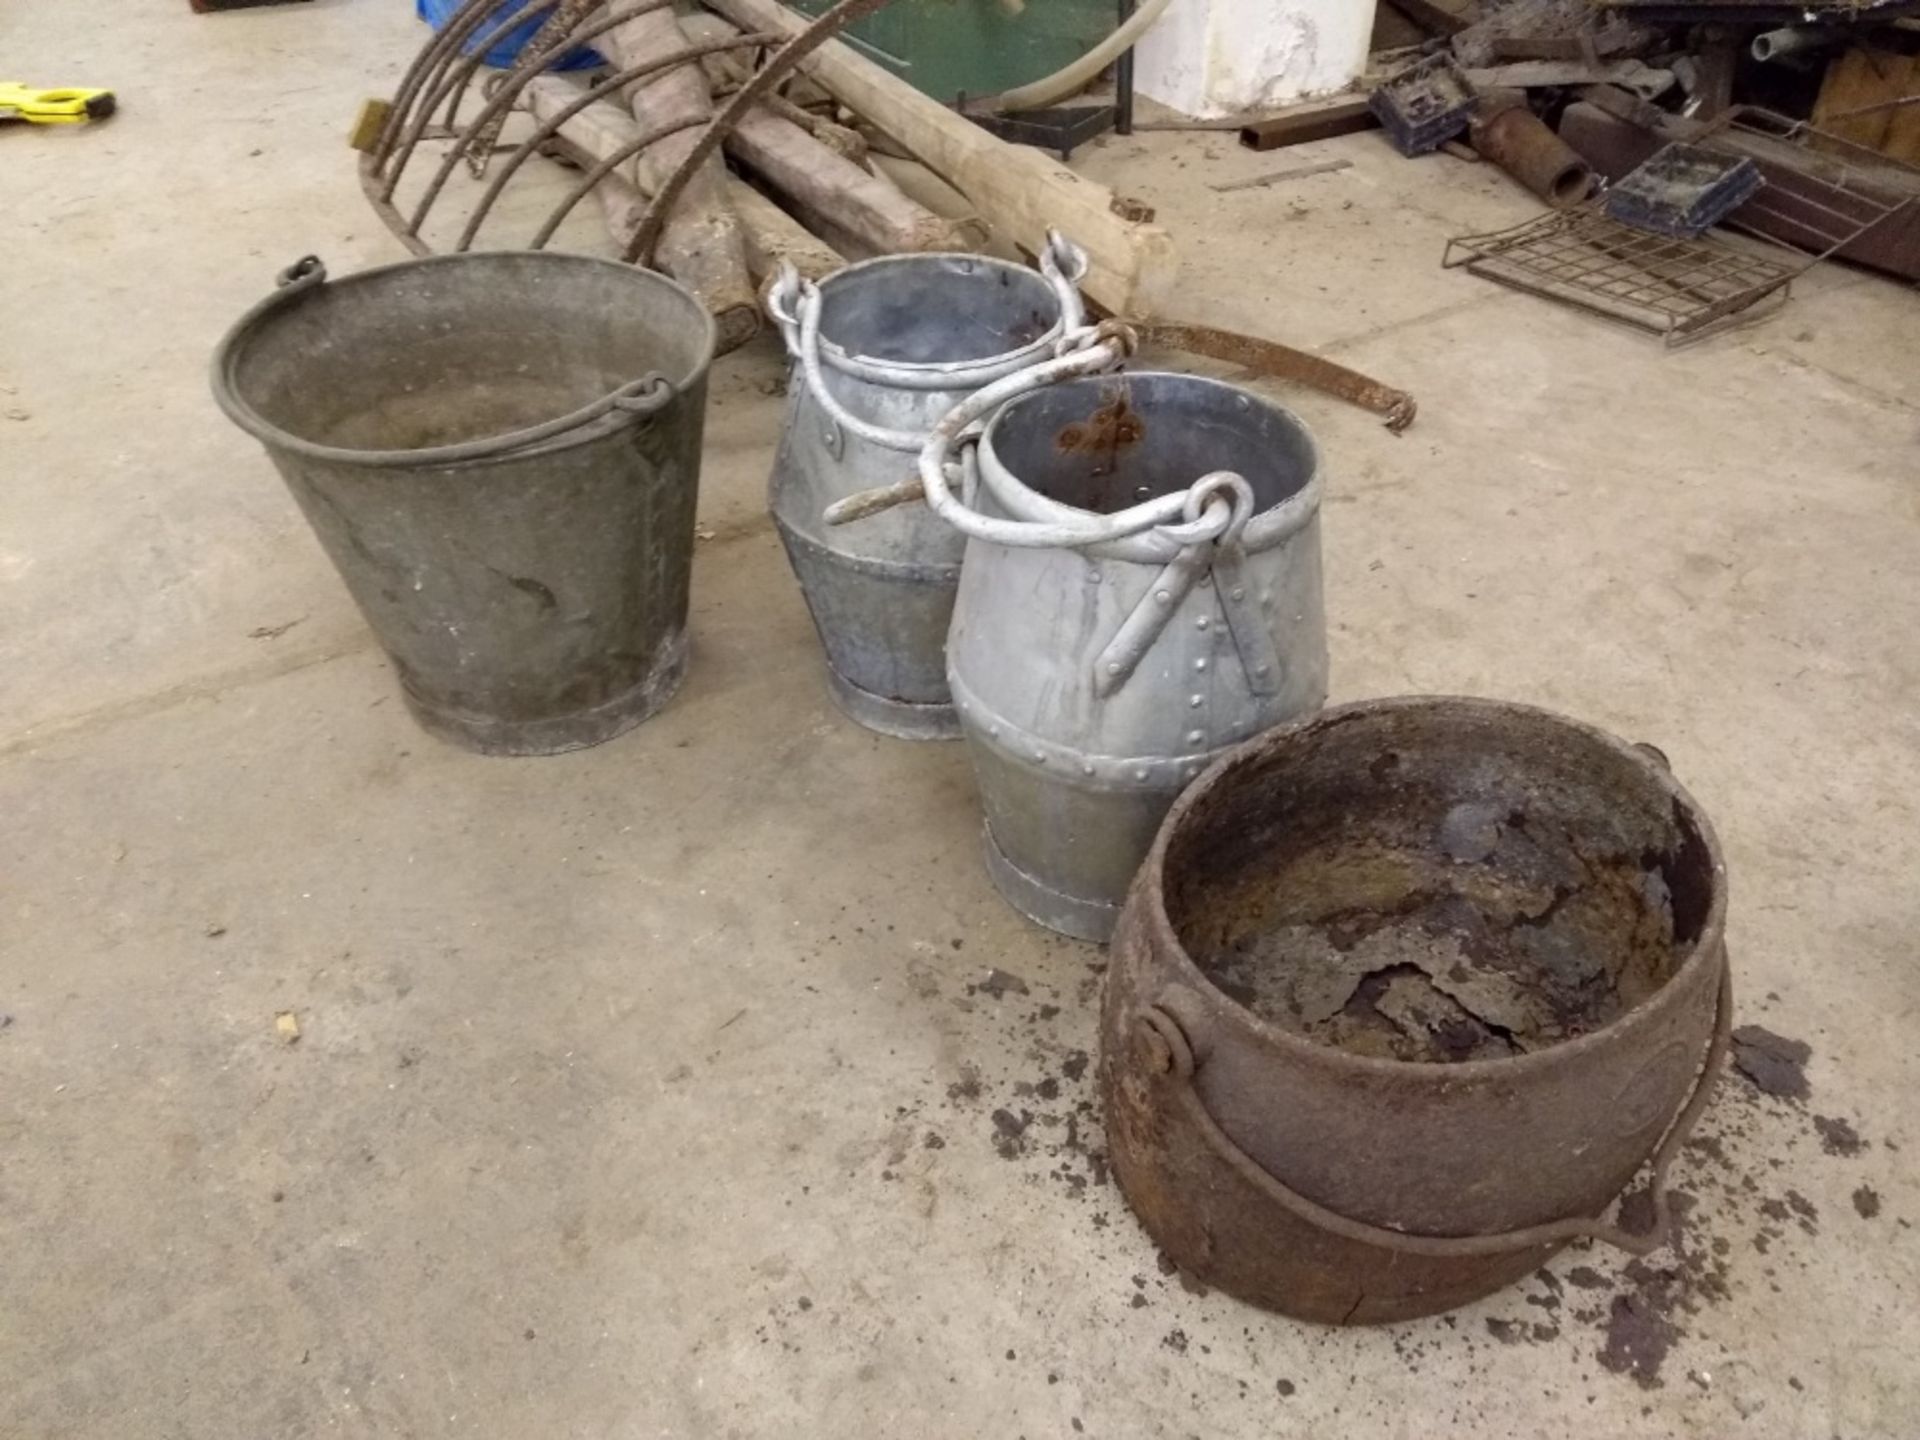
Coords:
pixel 500 453
pixel 890 346
pixel 1095 680
pixel 1403 997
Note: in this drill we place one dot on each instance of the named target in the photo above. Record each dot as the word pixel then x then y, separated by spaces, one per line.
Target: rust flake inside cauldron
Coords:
pixel 1402 889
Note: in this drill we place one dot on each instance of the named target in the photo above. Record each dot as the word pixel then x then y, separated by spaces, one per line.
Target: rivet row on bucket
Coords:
pixel 1403 997
pixel 880 351
pixel 501 455
pixel 1141 590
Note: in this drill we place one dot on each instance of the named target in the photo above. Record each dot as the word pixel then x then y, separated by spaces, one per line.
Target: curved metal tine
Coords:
pixel 438 81
pixel 797 48
pixel 551 127
pixel 561 22
pixel 430 61
pixel 468 64
pixel 502 99
pixel 520 77
pixel 598 173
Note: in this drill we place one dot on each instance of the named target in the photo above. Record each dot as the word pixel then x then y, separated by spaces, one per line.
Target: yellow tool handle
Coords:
pixel 69 105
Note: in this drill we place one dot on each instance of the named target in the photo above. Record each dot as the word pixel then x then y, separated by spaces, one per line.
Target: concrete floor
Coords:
pixel 647 1091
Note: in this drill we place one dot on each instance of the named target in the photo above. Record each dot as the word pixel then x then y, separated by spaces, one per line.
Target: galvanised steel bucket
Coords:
pixel 881 350
pixel 501 455
pixel 1403 996
pixel 1141 591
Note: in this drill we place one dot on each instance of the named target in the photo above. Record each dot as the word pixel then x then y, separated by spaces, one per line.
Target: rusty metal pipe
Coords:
pixel 1519 142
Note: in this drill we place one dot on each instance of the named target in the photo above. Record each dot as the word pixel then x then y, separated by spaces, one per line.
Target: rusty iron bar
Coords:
pixel 518 80
pixel 600 170
pixel 442 83
pixel 480 15
pixel 452 89
pixel 640 249
pixel 503 99
pixel 551 127
pixel 440 74
pixel 459 25
pixel 561 22
pixel 476 57
pixel 1284 362
pixel 511 91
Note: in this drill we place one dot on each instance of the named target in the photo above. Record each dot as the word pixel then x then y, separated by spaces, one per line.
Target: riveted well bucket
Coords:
pixel 501 455
pixel 1403 997
pixel 901 341
pixel 1094 681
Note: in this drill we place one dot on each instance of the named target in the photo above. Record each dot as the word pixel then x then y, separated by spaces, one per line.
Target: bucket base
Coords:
pixel 558 734
pixel 1067 914
pixel 902 719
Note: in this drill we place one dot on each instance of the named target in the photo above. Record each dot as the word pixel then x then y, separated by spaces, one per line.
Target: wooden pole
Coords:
pixel 870 209
pixel 701 245
pixel 768 233
pixel 1018 190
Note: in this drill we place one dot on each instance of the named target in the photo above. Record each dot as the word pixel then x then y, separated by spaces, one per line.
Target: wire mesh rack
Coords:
pixel 1677 288
pixel 1685 289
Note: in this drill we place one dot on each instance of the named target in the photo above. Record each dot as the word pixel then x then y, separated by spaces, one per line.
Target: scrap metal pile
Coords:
pixel 1104 579
pixel 720 144
pixel 1653 127
pixel 716 145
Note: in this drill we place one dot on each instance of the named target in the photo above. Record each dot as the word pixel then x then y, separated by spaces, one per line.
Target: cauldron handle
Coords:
pixel 1169 1055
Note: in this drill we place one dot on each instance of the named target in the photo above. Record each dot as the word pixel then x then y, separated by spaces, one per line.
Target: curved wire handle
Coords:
pixel 794 304
pixel 1165 1039
pixel 1203 512
pixel 634 400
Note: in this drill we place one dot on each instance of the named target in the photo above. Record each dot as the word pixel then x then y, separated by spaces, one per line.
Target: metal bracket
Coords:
pixel 1115 665
pixel 1246 620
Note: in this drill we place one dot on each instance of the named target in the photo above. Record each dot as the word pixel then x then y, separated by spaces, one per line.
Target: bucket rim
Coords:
pixel 605 416
pixel 950 374
pixel 1707 951
pixel 1265 530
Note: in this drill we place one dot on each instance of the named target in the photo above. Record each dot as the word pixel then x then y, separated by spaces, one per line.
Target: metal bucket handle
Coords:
pixel 795 303
pixel 635 400
pixel 1166 1052
pixel 1193 516
pixel 1204 522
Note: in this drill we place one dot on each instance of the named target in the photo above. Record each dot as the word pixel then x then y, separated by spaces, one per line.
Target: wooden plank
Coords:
pixel 1635 75
pixel 1854 91
pixel 865 206
pixel 769 235
pixel 773 235
pixel 701 245
pixel 1903 135
pixel 1019 191
pixel 1313 120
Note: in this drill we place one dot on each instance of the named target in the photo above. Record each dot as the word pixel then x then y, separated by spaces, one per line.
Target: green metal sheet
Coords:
pixel 978 46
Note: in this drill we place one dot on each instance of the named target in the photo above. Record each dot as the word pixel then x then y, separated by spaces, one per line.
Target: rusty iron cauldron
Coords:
pixel 1348 1187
